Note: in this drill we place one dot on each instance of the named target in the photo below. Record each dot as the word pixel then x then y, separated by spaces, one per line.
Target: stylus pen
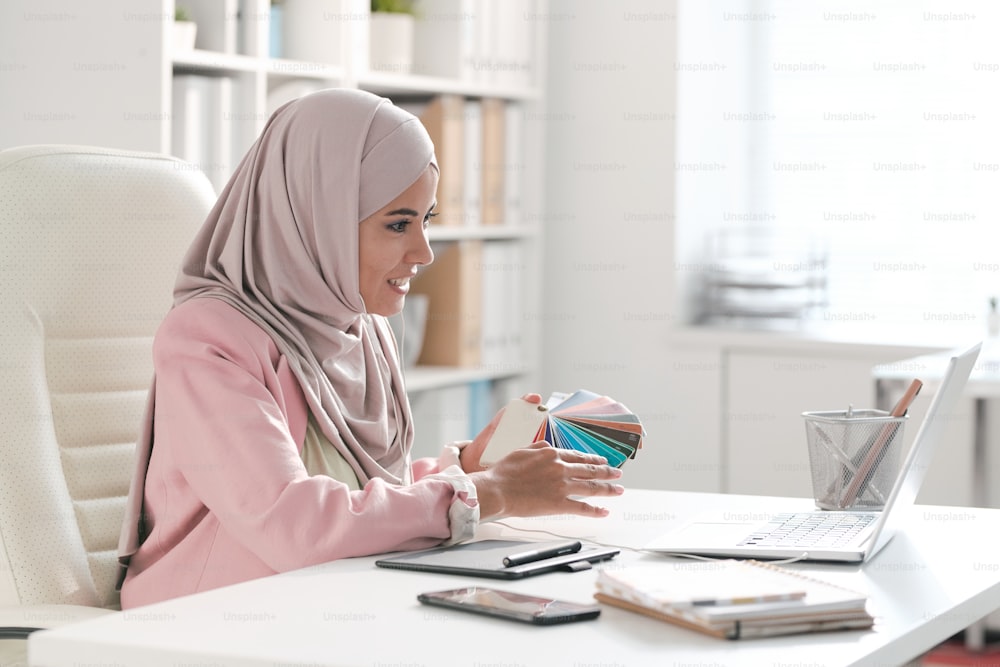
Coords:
pixel 541 554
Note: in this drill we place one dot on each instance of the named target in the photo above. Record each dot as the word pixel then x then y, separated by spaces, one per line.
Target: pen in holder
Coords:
pixel 854 457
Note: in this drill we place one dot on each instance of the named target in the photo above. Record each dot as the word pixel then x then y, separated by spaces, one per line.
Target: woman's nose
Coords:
pixel 421 252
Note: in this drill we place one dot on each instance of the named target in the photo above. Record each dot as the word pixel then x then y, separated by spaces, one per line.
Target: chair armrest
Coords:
pixel 17 622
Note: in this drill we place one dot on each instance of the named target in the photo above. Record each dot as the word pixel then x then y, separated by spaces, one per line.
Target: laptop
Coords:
pixel 862 533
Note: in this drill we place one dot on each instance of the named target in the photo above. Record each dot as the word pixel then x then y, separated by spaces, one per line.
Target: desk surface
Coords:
pixel 927 584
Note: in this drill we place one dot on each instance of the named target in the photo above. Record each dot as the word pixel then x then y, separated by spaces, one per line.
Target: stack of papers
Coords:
pixel 734 599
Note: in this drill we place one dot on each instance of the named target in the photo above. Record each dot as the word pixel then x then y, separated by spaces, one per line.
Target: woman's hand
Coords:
pixel 540 479
pixel 472 453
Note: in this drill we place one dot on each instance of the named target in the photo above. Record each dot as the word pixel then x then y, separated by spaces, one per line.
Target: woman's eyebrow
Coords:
pixel 403 211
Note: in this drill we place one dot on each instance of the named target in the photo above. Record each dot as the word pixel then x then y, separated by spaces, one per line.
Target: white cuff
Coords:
pixel 463 515
pixel 451 454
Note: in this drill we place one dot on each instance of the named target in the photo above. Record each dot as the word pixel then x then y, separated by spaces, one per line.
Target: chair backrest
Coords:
pixel 91 241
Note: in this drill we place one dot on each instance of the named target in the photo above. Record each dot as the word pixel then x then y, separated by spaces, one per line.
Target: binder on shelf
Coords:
pixel 502 281
pixel 482 406
pixel 453 286
pixel 311 30
pixel 188 135
pixel 445 38
pixel 287 91
pixel 734 599
pixel 275 37
pixel 485 44
pixel 444 118
pixel 219 25
pixel 514 164
pixel 473 162
pixel 439 417
pixel 202 125
pixel 513 326
pixel 493 163
pixel 493 300
pixel 513 44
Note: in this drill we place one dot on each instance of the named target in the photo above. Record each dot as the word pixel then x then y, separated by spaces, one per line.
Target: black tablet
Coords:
pixel 486 559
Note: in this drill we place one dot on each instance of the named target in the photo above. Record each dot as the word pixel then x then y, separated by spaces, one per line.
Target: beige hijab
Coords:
pixel 281 245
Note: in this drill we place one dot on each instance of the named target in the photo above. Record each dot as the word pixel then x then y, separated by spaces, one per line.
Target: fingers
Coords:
pixel 585 509
pixel 573 456
pixel 585 465
pixel 540 479
pixel 590 471
pixel 532 398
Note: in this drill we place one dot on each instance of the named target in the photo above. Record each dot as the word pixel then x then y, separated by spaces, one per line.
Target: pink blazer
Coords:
pixel 227 497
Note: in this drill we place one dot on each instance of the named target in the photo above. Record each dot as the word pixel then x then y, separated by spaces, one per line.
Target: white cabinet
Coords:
pixel 764 442
pixel 109 74
pixel 736 402
pixel 764 438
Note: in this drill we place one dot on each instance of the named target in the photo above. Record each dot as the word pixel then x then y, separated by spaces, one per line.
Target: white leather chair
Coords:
pixel 91 240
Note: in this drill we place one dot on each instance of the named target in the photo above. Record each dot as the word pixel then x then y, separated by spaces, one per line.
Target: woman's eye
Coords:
pixel 399 227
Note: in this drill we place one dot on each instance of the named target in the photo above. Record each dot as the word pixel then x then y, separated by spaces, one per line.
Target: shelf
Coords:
pixel 481 232
pixel 423 378
pixel 214 62
pixel 209 104
pixel 300 69
pixel 389 84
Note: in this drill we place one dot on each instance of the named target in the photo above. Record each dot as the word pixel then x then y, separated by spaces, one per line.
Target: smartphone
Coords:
pixel 514 606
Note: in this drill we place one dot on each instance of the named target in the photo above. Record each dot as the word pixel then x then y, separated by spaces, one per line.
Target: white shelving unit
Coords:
pixel 104 74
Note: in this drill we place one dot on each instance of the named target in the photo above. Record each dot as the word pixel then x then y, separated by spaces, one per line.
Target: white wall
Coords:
pixel 609 258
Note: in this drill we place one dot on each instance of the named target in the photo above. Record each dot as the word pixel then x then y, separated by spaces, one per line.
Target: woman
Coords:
pixel 278 412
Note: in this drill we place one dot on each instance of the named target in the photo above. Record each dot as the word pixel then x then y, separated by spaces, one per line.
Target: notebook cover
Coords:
pixel 747 629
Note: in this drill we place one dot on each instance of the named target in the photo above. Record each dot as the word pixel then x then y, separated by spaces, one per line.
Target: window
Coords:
pixel 873 128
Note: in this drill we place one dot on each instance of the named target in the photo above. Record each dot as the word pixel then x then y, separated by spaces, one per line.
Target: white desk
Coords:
pixel 929 583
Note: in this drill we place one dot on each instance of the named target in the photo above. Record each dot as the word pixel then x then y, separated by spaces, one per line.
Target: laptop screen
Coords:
pixel 921 454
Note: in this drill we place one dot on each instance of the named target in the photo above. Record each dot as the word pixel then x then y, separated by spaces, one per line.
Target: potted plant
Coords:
pixel 390 38
pixel 184 30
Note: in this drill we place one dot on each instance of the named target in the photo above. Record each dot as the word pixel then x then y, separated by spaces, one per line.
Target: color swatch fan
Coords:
pixel 583 420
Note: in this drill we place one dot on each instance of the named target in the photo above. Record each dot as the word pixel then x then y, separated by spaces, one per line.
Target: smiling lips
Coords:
pixel 402 284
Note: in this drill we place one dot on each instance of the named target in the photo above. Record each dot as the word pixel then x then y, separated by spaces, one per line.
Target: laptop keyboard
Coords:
pixel 811 529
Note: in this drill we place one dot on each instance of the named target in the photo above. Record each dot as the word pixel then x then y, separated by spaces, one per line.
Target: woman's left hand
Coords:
pixel 472 453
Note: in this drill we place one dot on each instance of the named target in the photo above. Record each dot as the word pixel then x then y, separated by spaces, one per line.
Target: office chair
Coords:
pixel 91 241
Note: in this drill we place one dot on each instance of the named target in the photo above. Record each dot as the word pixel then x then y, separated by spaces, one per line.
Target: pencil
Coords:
pixel 875 449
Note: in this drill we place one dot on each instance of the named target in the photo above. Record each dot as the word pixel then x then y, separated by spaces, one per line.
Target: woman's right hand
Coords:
pixel 540 479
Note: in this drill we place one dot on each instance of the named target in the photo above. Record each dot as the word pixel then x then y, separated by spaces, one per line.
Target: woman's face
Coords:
pixel 392 243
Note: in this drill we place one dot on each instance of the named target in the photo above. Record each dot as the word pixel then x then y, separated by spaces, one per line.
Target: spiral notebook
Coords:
pixel 734 599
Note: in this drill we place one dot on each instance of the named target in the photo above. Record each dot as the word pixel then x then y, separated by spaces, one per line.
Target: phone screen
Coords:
pixel 516 606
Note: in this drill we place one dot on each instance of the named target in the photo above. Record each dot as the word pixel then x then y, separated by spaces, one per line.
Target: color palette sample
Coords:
pixel 592 423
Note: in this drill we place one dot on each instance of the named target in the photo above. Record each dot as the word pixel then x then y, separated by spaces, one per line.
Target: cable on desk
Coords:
pixel 783 561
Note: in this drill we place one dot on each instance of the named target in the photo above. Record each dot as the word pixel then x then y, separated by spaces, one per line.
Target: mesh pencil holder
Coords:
pixel 854 459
